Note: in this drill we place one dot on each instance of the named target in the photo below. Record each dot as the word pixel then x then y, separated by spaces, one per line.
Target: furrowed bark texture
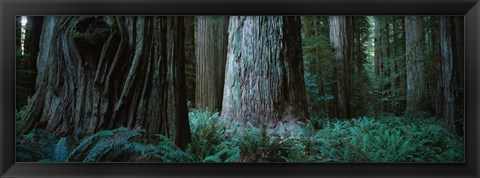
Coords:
pixel 446 49
pixel 417 101
pixel 97 73
pixel 264 73
pixel 211 52
pixel 339 43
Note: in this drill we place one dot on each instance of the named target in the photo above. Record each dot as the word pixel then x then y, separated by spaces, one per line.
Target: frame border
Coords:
pixel 470 9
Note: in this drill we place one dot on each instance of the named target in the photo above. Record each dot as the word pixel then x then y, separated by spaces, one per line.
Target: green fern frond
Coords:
pixel 61 150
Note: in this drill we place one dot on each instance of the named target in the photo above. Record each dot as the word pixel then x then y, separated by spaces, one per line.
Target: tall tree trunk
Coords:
pixel 446 49
pixel 403 64
pixel 97 73
pixel 190 60
pixel 459 73
pixel 396 68
pixel 339 43
pixel 264 73
pixel 18 31
pixel 416 94
pixel 377 50
pixel 211 52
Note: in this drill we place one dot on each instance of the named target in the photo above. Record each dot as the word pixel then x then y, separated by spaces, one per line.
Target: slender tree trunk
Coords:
pixel 212 42
pixel 403 64
pixel 339 43
pixel 97 73
pixel 446 46
pixel 377 50
pixel 264 73
pixel 416 94
pixel 396 70
pixel 18 31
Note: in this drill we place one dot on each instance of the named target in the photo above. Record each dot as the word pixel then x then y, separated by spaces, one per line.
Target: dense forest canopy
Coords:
pixel 240 88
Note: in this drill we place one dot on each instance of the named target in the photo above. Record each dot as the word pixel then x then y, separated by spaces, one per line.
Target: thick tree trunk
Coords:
pixel 212 42
pixel 190 60
pixel 97 73
pixel 417 103
pixel 446 49
pixel 459 68
pixel 339 43
pixel 264 73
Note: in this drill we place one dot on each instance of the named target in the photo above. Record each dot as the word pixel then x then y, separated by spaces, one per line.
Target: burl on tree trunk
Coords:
pixel 97 73
pixel 264 73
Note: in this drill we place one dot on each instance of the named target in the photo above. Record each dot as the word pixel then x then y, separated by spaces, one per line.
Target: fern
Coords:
pixel 106 145
pixel 225 152
pixel 259 146
pixel 36 145
pixel 61 150
pixel 166 151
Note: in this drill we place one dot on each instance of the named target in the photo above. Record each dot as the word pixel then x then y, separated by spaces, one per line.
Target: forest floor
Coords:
pixel 388 139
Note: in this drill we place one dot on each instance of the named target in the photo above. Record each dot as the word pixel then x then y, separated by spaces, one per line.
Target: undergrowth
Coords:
pixel 389 139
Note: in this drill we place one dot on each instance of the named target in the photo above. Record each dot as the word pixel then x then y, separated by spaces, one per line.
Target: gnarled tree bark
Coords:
pixel 97 73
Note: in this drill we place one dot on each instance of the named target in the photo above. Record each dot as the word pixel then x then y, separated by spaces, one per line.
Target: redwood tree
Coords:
pixel 339 43
pixel 211 58
pixel 416 101
pixel 264 72
pixel 448 73
pixel 97 73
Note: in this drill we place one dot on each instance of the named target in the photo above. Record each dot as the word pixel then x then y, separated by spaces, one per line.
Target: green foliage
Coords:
pixel 43 146
pixel 108 145
pixel 389 139
pixel 225 152
pixel 165 151
pixel 61 151
pixel 256 145
pixel 211 138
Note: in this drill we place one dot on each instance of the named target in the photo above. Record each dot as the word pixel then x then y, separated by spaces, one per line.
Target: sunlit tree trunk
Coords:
pixel 211 52
pixel 339 43
pixel 97 73
pixel 264 73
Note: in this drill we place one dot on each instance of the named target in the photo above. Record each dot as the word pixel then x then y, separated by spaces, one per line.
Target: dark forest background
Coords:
pixel 240 89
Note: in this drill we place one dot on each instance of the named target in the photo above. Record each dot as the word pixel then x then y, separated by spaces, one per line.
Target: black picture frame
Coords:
pixel 11 8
